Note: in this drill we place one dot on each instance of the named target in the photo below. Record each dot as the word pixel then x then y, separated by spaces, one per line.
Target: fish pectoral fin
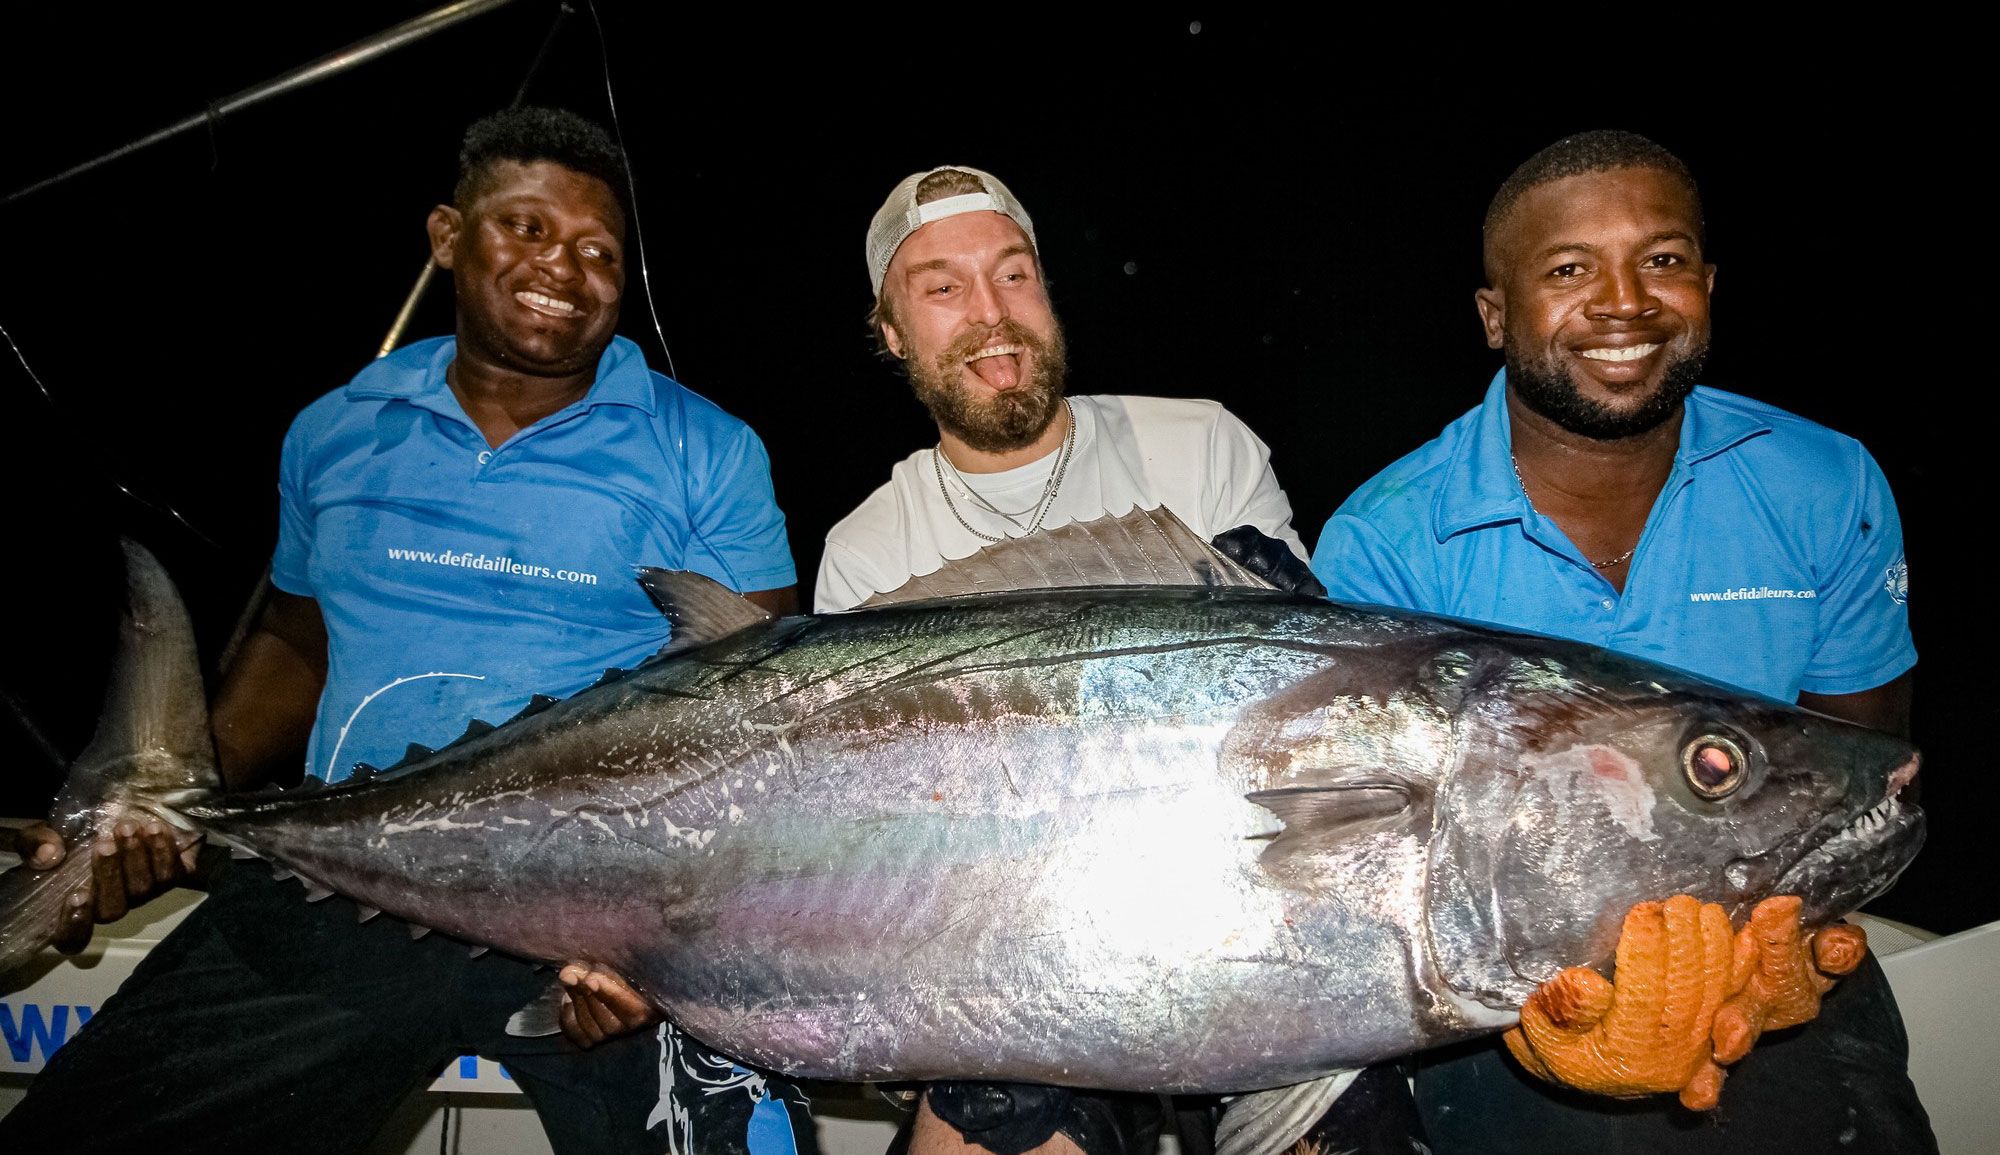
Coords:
pixel 700 610
pixel 1311 810
pixel 541 1017
pixel 1268 1122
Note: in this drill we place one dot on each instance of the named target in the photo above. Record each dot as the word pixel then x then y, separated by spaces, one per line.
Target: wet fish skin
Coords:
pixel 1172 839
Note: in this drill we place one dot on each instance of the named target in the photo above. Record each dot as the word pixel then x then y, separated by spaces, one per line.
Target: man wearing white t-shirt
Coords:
pixel 960 302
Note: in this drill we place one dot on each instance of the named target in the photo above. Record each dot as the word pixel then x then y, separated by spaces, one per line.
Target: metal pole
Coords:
pixel 394 336
pixel 409 309
pixel 360 52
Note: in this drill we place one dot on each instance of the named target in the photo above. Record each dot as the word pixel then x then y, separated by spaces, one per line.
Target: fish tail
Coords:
pixel 32 904
pixel 151 754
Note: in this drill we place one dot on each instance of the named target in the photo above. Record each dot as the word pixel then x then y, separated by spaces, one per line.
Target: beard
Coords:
pixel 1551 392
pixel 1005 421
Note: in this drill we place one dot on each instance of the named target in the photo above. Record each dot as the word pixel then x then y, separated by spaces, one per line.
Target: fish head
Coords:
pixel 1588 782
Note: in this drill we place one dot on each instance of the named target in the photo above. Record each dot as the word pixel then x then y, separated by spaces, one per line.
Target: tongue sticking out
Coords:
pixel 998 372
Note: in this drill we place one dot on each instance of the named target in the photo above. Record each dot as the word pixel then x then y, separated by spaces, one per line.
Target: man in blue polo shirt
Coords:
pixel 1598 494
pixel 459 531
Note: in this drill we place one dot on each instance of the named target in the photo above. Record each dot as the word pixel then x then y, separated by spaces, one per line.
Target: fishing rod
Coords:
pixel 395 335
pixel 359 52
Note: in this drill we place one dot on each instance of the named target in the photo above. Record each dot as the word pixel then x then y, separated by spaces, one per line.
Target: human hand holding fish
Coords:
pixel 1688 995
pixel 598 1004
pixel 132 862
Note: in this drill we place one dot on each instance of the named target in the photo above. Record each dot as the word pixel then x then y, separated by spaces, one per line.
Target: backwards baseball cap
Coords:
pixel 901 215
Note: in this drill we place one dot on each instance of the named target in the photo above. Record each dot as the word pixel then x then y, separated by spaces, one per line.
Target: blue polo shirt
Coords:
pixel 458 580
pixel 1772 559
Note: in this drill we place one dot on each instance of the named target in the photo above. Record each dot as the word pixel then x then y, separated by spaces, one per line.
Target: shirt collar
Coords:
pixel 1480 488
pixel 416 373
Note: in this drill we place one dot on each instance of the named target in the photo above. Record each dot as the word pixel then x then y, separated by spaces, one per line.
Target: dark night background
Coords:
pixel 1275 214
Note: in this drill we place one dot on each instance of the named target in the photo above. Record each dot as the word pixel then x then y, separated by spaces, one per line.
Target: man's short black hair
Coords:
pixel 1602 150
pixel 528 134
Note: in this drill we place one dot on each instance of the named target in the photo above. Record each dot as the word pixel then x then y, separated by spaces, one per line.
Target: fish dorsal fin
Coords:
pixel 701 611
pixel 1145 547
pixel 477 728
pixel 536 704
pixel 414 753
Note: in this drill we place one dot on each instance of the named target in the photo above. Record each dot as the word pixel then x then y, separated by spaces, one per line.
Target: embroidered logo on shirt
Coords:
pixel 1897 581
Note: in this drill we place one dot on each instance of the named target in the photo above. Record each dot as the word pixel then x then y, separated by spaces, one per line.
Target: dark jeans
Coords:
pixel 1837 1084
pixel 263 1023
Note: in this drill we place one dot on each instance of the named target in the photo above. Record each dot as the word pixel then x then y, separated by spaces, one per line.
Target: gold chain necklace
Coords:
pixel 1041 507
pixel 1623 557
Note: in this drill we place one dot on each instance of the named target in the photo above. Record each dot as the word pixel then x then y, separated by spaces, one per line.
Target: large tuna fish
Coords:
pixel 1190 837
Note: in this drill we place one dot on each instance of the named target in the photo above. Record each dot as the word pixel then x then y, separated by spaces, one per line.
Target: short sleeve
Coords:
pixel 291 561
pixel 1357 564
pixel 1863 639
pixel 738 531
pixel 845 580
pixel 1242 489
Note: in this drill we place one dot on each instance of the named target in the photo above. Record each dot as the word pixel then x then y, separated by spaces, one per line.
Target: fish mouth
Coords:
pixel 1861 859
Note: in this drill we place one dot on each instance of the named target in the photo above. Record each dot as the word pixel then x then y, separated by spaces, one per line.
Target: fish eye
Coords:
pixel 1715 766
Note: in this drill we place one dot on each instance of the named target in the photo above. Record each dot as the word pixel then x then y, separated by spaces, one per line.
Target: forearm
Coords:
pixel 780 602
pixel 264 712
pixel 1886 707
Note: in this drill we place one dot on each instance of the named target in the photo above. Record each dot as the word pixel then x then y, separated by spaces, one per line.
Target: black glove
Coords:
pixel 1268 558
pixel 1012 1118
pixel 1004 1118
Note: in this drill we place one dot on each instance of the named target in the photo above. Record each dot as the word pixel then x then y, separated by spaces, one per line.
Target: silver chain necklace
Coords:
pixel 1042 505
pixel 1623 557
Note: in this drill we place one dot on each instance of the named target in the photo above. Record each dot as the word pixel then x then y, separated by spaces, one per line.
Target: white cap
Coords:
pixel 901 215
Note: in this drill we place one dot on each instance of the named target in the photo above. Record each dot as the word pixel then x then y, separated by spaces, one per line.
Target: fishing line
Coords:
pixel 653 312
pixel 631 188
pixel 155 506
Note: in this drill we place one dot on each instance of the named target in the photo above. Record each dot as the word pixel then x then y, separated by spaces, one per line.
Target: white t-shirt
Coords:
pixel 1193 457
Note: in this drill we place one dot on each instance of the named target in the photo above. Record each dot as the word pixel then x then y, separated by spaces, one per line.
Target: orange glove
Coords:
pixel 1691 994
pixel 1780 975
